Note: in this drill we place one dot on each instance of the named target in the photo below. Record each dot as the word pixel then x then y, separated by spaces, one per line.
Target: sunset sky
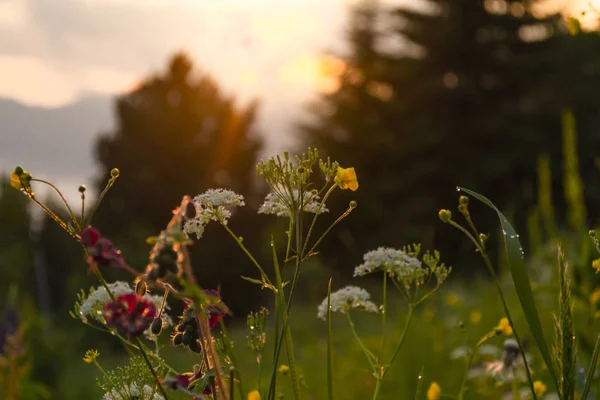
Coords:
pixel 53 52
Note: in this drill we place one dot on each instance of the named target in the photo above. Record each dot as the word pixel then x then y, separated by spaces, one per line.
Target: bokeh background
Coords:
pixel 186 95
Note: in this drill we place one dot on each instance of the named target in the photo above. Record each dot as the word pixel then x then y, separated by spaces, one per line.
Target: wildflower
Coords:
pixel 506 368
pixel 392 261
pixel 90 356
pixel 504 327
pixel 132 391
pixel 100 249
pixel 539 388
pixel 596 264
pixel 346 178
pixel 276 205
pixel 130 314
pixel 284 370
pixel 213 205
pixel 445 215
pixel 254 395
pixel 434 391
pixel 347 298
pixel 216 312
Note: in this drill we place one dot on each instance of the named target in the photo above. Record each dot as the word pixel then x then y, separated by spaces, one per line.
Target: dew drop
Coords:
pixel 504 232
pixel 518 235
pixel 457 189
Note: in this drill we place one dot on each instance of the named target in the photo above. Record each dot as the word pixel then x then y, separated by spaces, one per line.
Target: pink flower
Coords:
pixel 130 314
pixel 100 249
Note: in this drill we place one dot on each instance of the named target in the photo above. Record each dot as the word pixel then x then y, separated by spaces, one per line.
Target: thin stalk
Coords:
pixel 366 351
pixel 82 207
pixel 111 182
pixel 162 390
pixel 231 384
pixel 488 263
pixel 225 334
pixel 406 324
pixel 377 387
pixel 312 225
pixel 337 221
pixel 52 215
pixel 71 214
pixel 329 346
pixel 383 314
pixel 592 368
pixel 286 326
pixel 247 252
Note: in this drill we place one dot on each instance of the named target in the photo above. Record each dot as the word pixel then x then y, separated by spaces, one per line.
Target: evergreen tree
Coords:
pixel 471 98
pixel 177 135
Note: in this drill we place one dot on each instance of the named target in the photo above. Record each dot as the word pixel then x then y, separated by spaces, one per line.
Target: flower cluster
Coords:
pixel 214 204
pixel 92 305
pixel 276 205
pixel 130 314
pixel 392 261
pixel 133 391
pixel 100 249
pixel 345 299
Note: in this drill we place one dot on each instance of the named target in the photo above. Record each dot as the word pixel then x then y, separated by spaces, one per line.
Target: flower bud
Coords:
pixel 156 326
pixel 445 215
pixel 27 176
pixel 178 339
pixel 186 339
pixel 195 346
pixel 464 200
pixel 81 188
pixel 353 204
pixel 284 370
pixel 19 170
pixel 592 233
pixel 141 287
pixel 462 209
pixel 115 173
pixel 301 170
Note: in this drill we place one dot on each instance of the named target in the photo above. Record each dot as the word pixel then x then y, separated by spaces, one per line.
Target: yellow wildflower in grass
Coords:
pixel 596 264
pixel 475 316
pixel 284 369
pixel 453 300
pixel 434 391
pixel 90 356
pixel 254 395
pixel 504 327
pixel 346 178
pixel 539 388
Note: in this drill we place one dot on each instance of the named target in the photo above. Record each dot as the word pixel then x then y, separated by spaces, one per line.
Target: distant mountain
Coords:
pixel 54 143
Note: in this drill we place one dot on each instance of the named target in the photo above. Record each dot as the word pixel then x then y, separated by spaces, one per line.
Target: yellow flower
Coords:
pixel 284 369
pixel 596 265
pixel 434 391
pixel 346 178
pixel 594 297
pixel 453 300
pixel 475 316
pixel 504 327
pixel 539 388
pixel 90 356
pixel 15 181
pixel 254 395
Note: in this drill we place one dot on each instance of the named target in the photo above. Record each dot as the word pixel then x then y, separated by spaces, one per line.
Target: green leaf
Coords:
pixel 518 270
pixel 592 368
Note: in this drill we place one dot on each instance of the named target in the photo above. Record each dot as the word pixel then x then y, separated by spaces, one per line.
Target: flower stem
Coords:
pixel 151 368
pixel 250 256
pixel 312 225
pixel 366 351
pixel 71 214
pixel 488 263
pixel 383 314
pixel 406 324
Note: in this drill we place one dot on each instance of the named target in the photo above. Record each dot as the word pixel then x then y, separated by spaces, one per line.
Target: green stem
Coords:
pixel 329 345
pixel 250 256
pixel 361 344
pixel 383 314
pixel 151 368
pixel 312 225
pixel 377 387
pixel 408 318
pixel 463 384
pixel 111 181
pixel 71 214
pixel 337 221
pixel 488 263
pixel 286 326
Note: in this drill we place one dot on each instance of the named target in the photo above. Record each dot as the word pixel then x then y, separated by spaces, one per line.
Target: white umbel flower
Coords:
pixel 130 392
pixel 275 205
pixel 345 299
pixel 214 204
pixel 392 261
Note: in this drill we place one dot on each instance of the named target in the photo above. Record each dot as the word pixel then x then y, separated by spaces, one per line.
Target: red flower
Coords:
pixel 100 249
pixel 216 312
pixel 130 314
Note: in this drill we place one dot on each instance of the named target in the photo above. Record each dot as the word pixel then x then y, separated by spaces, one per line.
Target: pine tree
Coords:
pixel 471 98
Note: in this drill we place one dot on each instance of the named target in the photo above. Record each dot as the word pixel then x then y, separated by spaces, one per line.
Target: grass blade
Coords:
pixel 329 346
pixel 518 270
pixel 591 369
